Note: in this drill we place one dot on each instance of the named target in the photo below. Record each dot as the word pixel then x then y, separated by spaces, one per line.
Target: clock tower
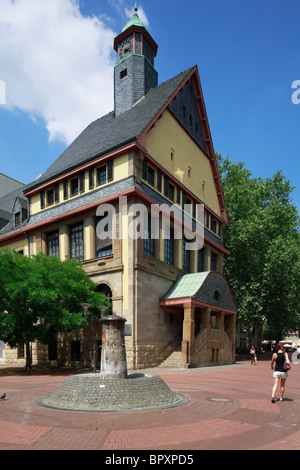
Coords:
pixel 134 72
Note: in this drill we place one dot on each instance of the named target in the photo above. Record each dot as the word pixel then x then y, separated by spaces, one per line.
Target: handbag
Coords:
pixel 286 366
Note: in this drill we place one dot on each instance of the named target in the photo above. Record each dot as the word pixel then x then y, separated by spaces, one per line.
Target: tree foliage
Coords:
pixel 263 268
pixel 41 297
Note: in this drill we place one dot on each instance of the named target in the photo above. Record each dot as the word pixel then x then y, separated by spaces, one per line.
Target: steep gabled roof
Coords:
pixel 110 132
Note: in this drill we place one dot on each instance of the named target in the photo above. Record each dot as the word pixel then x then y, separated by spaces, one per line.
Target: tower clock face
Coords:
pixel 125 48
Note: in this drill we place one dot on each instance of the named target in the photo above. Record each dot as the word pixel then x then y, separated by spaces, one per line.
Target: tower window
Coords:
pixel 123 73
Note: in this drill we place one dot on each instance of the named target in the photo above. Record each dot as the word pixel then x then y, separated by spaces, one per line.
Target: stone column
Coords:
pixel 64 242
pixel 89 238
pixel 113 358
pixel 220 321
pixel 188 334
pixel 207 256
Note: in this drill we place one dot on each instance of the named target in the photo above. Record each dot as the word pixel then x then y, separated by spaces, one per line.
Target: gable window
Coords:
pixel 76 242
pixel 53 244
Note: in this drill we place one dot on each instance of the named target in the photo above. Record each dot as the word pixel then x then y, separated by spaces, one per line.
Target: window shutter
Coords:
pixel 56 193
pixel 91 178
pixel 110 170
pixel 42 197
pixel 159 181
pixel 145 169
pixel 81 183
pixel 66 189
pixel 178 196
pixel 166 188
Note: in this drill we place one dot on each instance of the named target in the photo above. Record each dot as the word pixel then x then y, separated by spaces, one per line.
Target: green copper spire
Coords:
pixel 135 20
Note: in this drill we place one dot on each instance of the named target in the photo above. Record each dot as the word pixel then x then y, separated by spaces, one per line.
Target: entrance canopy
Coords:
pixel 205 289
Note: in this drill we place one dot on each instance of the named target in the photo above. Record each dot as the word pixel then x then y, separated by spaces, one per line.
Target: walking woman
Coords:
pixel 280 375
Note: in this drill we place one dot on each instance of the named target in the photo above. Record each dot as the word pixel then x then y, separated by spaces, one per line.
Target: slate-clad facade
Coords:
pixel 155 147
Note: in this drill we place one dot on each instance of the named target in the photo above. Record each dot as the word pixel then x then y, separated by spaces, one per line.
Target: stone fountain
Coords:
pixel 113 389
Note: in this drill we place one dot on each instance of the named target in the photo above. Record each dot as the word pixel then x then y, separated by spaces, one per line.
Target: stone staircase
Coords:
pixel 173 360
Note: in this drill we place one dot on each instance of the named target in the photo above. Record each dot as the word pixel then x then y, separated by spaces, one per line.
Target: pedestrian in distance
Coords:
pixel 278 364
pixel 252 354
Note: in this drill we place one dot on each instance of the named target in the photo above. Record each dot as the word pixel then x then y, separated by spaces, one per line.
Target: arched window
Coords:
pixel 105 289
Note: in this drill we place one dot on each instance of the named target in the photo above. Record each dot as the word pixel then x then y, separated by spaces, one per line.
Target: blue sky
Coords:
pixel 57 58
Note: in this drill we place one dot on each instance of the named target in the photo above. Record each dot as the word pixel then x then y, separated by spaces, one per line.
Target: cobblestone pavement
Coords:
pixel 229 408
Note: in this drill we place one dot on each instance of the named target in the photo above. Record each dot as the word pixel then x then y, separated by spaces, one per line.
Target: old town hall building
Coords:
pixel 155 147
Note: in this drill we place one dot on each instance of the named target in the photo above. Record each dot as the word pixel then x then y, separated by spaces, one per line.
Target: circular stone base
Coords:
pixel 88 392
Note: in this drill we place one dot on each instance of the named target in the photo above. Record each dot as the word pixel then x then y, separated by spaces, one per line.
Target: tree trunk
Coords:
pixel 28 356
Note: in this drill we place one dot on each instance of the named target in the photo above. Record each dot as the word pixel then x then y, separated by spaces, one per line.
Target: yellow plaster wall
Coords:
pixel 20 245
pixel 169 137
pixel 121 171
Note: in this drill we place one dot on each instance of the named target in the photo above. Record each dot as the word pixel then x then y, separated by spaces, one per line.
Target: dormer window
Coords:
pixel 17 219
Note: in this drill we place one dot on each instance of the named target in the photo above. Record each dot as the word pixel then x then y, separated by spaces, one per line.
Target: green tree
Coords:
pixel 263 241
pixel 40 297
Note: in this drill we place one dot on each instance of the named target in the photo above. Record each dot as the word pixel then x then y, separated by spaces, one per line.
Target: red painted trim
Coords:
pixel 184 300
pixel 80 169
pixel 132 192
pixel 148 200
pixel 67 215
pixel 194 74
pixel 176 182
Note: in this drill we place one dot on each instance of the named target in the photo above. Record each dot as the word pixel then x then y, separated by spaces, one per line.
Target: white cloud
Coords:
pixel 56 64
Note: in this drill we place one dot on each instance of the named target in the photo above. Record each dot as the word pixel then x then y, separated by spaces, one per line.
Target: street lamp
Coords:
pixel 103 309
pixel 86 307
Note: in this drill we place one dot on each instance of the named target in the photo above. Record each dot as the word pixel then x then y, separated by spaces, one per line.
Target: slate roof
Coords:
pixel 208 288
pixel 7 204
pixel 110 132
